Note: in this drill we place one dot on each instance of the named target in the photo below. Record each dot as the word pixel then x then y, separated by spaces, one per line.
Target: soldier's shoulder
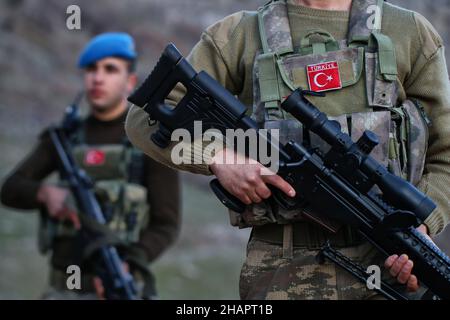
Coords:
pixel 429 37
pixel 223 30
pixel 44 134
pixel 412 26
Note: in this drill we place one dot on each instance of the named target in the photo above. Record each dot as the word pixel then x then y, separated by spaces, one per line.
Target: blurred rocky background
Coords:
pixel 38 78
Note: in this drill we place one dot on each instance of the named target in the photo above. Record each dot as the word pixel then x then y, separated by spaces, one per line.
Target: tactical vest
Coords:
pixel 279 69
pixel 116 171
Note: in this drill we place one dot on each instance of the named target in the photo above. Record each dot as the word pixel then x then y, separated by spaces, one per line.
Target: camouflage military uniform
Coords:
pixel 261 57
pixel 102 150
pixel 266 274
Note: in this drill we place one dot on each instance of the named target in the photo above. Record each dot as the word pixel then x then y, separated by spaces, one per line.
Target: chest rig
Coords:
pixel 116 171
pixel 280 69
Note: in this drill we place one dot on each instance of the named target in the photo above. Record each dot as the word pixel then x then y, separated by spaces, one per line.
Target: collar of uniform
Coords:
pixel 311 12
pixel 120 119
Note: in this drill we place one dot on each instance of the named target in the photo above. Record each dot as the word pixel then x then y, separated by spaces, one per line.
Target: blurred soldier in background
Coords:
pixel 139 197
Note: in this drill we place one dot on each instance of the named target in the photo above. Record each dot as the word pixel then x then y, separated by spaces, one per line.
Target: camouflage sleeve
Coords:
pixel 206 55
pixel 429 84
pixel 20 188
pixel 165 209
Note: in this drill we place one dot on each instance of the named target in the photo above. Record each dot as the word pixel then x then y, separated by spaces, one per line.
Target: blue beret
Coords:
pixel 112 44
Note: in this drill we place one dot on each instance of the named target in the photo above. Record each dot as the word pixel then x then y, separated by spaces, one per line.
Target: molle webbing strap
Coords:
pixel 274 28
pixel 276 40
pixel 268 80
pixel 386 55
pixel 365 18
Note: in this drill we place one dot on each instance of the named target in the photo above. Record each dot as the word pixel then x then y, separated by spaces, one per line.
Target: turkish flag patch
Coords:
pixel 324 76
pixel 94 157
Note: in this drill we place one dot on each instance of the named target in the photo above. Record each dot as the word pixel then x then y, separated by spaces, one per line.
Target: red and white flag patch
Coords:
pixel 324 76
pixel 94 157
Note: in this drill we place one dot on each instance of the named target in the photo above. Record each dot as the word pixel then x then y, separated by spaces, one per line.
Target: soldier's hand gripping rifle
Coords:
pixel 339 184
pixel 118 283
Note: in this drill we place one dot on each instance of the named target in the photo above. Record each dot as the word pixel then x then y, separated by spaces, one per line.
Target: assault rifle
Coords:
pixel 345 184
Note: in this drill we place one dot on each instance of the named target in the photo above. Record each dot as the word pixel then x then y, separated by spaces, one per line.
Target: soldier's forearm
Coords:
pixel 436 186
pixel 20 193
pixel 155 240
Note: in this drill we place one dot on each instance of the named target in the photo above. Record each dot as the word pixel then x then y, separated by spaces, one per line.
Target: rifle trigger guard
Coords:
pixel 401 219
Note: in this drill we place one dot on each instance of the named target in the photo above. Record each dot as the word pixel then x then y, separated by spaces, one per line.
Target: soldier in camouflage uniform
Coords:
pixel 139 196
pixel 389 76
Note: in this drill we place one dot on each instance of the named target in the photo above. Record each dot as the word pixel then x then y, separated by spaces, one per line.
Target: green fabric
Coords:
pixel 268 79
pixel 263 35
pixel 318 41
pixel 358 41
pixel 381 6
pixel 262 32
pixel 386 55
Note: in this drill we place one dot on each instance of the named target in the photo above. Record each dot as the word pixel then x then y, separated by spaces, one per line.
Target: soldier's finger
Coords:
pixel 239 192
pixel 280 183
pixel 413 284
pixel 60 214
pixel 73 217
pixel 254 197
pixel 243 197
pixel 263 191
pixel 398 265
pixel 246 200
pixel 390 261
pixel 405 273
pixel 424 230
pixel 55 210
pixel 99 289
